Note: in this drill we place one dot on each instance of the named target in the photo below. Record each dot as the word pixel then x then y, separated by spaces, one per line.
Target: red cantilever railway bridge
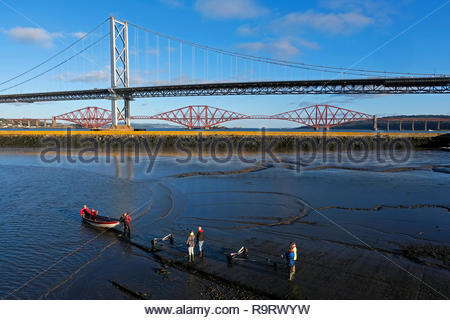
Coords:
pixel 316 116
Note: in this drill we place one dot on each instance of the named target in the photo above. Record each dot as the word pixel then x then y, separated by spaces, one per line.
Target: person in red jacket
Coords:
pixel 126 219
pixel 85 212
pixel 94 214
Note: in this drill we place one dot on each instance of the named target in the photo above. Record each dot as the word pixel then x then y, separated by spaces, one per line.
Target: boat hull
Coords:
pixel 102 222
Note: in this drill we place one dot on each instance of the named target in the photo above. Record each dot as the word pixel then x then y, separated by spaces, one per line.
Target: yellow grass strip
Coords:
pixel 218 133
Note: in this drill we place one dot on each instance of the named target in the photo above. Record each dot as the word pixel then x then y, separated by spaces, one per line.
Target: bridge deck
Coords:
pixel 429 85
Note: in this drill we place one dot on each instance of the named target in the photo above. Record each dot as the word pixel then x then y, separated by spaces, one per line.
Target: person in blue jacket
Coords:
pixel 290 259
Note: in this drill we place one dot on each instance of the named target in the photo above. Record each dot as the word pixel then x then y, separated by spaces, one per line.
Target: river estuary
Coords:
pixel 364 231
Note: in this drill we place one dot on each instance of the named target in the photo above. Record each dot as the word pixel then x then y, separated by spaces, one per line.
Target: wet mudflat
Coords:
pixel 363 231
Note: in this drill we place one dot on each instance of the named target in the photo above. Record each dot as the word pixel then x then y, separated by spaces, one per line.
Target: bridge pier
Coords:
pixel 439 125
pixel 412 125
pixel 387 126
pixel 127 113
pixel 426 125
pixel 53 121
pixel 120 73
pixel 400 125
pixel 375 125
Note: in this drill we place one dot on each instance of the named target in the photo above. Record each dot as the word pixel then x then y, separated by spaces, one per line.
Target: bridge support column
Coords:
pixel 37 122
pixel 387 126
pixel 127 112
pixel 439 125
pixel 114 113
pixel 120 73
pixel 119 114
pixel 45 123
pixel 412 125
pixel 28 123
pixel 375 124
pixel 426 125
pixel 53 121
pixel 400 125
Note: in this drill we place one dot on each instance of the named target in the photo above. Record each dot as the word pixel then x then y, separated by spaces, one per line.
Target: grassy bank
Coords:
pixel 221 140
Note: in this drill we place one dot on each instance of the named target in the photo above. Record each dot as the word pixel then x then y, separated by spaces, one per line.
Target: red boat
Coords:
pixel 102 221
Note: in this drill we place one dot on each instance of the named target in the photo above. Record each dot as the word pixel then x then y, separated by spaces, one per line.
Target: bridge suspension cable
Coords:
pixel 205 67
pixel 293 64
pixel 55 55
pixel 57 65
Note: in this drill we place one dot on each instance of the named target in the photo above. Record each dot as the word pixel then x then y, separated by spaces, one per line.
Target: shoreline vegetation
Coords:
pixel 247 141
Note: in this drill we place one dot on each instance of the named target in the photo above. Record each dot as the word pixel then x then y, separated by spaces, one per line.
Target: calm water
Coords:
pixel 48 253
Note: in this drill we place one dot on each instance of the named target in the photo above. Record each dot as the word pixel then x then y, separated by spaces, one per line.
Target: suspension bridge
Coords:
pixel 149 64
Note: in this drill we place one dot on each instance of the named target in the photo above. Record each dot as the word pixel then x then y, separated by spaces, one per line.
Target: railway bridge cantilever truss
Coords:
pixel 202 116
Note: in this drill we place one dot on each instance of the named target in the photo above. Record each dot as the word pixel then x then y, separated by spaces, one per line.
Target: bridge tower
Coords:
pixel 120 71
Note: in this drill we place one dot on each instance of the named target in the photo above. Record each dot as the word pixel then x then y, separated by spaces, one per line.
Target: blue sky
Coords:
pixel 403 36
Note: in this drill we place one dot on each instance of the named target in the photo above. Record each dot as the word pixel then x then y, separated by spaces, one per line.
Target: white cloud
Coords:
pixel 91 76
pixel 246 30
pixel 308 44
pixel 280 48
pixel 371 7
pixel 343 23
pixel 230 9
pixel 173 3
pixel 380 10
pixel 78 35
pixel 37 36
